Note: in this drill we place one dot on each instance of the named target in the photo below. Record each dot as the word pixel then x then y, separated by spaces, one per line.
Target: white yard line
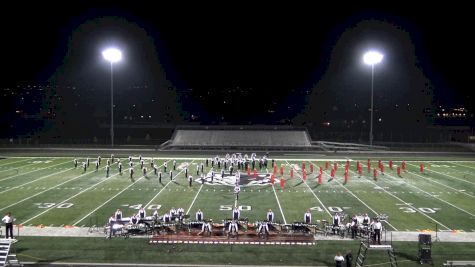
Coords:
pixel 32 171
pixel 444 174
pixel 427 193
pixel 100 206
pixel 278 203
pixel 15 162
pixel 39 193
pixel 110 199
pixel 55 173
pixel 433 181
pixel 312 192
pixel 75 195
pixel 406 203
pixel 455 163
pixel 175 176
pixel 193 202
pixel 362 202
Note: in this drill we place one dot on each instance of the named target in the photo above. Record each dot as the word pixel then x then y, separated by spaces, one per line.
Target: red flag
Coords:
pixel 248 171
pixel 255 173
pixel 360 170
pixel 281 170
pixel 282 182
pixel 382 169
pixel 292 173
pixel 311 168
pixel 320 171
pixel 333 174
pixel 346 177
pixel 369 165
pixel 403 165
pixel 335 165
pixel 357 165
pixel 375 174
pixel 326 165
pixel 275 168
pixel 398 171
pixel 303 165
pixel 422 168
pixel 379 164
pixel 272 178
pixel 304 175
pixel 320 178
pixel 391 164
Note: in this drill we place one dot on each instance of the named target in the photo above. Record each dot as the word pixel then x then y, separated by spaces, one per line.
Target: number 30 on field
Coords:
pixel 414 210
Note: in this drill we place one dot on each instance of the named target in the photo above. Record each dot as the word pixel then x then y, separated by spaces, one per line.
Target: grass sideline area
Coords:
pixel 136 250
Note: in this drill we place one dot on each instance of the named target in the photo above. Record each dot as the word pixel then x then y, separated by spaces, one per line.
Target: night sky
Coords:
pixel 246 63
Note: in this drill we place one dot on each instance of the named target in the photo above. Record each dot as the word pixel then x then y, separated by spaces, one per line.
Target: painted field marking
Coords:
pixel 39 193
pixel 455 189
pixel 278 203
pixel 194 199
pixel 349 191
pixel 100 206
pixel 461 165
pixel 288 164
pixel 80 192
pixel 15 162
pixel 108 200
pixel 445 175
pixel 408 204
pixel 173 179
pixel 32 171
pixel 55 173
pixel 427 193
pixel 17 168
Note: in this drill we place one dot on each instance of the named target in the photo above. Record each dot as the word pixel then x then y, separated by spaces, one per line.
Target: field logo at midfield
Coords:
pixel 230 180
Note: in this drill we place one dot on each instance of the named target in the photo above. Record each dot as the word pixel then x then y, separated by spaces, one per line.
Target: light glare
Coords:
pixel 112 55
pixel 372 57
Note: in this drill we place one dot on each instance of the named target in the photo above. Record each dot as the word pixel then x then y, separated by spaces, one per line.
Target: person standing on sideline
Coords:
pixel 348 258
pixel 339 259
pixel 8 220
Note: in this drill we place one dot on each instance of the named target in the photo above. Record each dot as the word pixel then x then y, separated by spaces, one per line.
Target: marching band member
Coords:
pixel 118 215
pixel 233 228
pixel 173 212
pixel 84 166
pixel 174 165
pixel 236 213
pixel 270 215
pixel 97 165
pixel 199 215
pixel 107 170
pixel 166 217
pixel 134 219
pixel 354 226
pixel 108 163
pixel 75 163
pixel 307 218
pixel 111 223
pixel 237 189
pixel 120 167
pixel 99 160
pixel 155 214
pixel 206 227
pixel 142 213
pixel 131 171
pixel 366 219
pixel 263 226
pixel 190 180
pixel 87 162
pixel 336 222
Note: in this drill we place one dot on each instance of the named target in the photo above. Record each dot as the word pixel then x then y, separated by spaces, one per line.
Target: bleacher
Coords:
pixel 220 138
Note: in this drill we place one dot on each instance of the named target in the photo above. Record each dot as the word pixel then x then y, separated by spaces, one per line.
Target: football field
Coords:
pixel 51 191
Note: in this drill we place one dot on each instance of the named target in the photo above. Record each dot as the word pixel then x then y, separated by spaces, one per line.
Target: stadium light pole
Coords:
pixel 112 55
pixel 372 58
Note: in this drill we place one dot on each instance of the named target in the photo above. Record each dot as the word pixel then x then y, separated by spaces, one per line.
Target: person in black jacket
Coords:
pixel 348 258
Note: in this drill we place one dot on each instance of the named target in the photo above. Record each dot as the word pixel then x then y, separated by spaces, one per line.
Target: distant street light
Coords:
pixel 372 58
pixel 112 55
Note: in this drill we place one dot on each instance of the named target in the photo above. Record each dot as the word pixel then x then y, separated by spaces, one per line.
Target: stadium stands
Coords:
pixel 240 137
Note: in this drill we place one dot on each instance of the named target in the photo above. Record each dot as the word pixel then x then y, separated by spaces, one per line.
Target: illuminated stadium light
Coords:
pixel 371 58
pixel 112 55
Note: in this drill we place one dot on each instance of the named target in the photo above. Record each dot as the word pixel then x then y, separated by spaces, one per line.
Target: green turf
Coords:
pixel 32 249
